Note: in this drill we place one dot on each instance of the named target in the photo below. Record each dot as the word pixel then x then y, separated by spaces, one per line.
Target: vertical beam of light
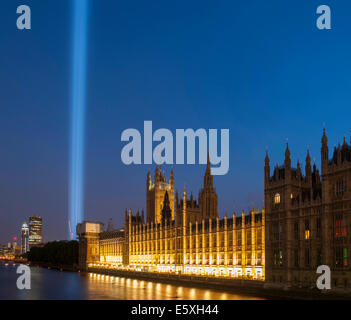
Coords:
pixel 78 100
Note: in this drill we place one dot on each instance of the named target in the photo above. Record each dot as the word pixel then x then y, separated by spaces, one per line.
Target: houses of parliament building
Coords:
pixel 179 235
pixel 305 223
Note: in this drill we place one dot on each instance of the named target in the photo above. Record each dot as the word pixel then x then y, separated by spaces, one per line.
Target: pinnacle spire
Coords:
pixel 266 159
pixel 308 158
pixel 324 138
pixel 208 167
pixel 287 151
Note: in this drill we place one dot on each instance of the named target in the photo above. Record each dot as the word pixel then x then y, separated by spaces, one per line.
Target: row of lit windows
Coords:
pixel 167 234
pixel 213 242
pixel 339 190
pixel 340 229
pixel 170 245
pixel 204 259
pixel 277 198
pixel 340 226
pixel 278 233
pixel 341 257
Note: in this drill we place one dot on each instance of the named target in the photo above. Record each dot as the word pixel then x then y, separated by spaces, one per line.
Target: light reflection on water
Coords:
pixel 53 285
pixel 133 289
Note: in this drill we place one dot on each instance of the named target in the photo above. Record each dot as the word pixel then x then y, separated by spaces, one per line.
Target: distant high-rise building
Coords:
pixel 25 238
pixel 110 226
pixel 35 231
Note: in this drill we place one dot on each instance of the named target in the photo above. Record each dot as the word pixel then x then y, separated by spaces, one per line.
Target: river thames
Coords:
pixel 55 285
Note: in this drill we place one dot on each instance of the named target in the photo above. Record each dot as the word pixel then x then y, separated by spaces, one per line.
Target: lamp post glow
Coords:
pixel 78 97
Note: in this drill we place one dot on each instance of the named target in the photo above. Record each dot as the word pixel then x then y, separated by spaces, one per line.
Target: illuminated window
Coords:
pixel 248 259
pixel 259 236
pixel 239 259
pixel 340 228
pixel 341 257
pixel 248 238
pixel 307 230
pixel 345 257
pixel 277 198
pixel 238 243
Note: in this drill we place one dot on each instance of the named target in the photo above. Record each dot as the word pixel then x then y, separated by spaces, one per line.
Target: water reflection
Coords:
pixel 132 289
pixel 53 285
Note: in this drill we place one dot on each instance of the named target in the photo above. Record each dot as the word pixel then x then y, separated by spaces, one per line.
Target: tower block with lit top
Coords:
pixel 155 195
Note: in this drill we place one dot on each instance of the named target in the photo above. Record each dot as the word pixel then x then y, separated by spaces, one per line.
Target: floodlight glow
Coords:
pixel 78 97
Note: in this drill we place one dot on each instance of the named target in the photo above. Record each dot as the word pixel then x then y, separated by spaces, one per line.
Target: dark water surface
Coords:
pixel 53 285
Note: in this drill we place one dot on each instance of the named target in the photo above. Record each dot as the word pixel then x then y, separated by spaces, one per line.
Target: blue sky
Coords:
pixel 260 68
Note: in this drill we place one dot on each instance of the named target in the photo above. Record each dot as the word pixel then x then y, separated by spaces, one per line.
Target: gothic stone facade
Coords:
pixel 184 236
pixel 308 219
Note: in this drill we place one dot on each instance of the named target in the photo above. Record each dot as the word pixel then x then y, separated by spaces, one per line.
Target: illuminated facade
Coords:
pixel 35 231
pixel 308 219
pixel 24 238
pixel 181 236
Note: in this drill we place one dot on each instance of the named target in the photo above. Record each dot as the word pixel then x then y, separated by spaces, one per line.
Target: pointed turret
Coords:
pixel 298 171
pixel 339 154
pixel 176 199
pixel 208 166
pixel 208 201
pixel 171 178
pixel 266 168
pixel 308 171
pixel 287 162
pixel 324 152
pixel 184 208
pixel 157 175
pixel 148 180
pixel 208 178
pixel 166 212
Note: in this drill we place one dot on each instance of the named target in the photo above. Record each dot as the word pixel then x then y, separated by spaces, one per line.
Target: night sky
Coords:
pixel 260 68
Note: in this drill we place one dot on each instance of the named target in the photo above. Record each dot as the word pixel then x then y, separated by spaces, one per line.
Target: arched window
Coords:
pixel 277 198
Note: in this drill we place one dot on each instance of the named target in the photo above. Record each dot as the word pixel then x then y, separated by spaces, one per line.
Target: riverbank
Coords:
pixel 247 287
